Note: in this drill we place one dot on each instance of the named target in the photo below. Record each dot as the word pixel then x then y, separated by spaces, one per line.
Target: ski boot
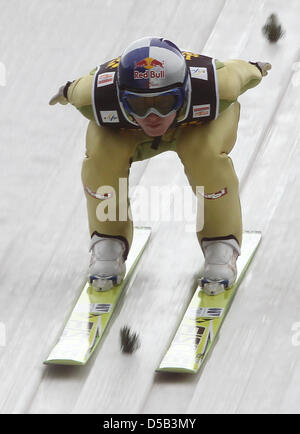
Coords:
pixel 107 267
pixel 220 265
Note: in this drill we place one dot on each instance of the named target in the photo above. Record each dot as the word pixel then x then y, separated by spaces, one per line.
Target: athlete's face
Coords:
pixel 154 125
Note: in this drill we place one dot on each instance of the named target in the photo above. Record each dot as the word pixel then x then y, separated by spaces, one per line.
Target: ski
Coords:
pixel 203 319
pixel 92 312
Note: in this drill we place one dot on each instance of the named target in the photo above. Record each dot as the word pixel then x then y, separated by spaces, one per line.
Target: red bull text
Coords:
pixel 148 64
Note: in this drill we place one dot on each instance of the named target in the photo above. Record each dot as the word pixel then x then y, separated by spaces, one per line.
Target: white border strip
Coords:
pixel 217 88
pixel 93 97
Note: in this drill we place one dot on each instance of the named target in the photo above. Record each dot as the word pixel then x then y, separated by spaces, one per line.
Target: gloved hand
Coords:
pixel 60 97
pixel 264 67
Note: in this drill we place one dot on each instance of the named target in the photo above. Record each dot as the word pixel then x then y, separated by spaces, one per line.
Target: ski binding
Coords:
pixel 213 287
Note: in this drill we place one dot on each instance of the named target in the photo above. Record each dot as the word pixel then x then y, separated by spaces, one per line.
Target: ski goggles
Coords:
pixel 161 103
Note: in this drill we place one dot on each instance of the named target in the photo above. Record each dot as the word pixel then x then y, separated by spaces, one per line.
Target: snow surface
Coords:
pixel 255 365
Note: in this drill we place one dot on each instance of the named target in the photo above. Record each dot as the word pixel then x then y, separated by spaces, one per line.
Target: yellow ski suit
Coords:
pixel 203 150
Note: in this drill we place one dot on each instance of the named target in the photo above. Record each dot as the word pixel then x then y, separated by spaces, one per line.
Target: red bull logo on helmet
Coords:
pixel 153 68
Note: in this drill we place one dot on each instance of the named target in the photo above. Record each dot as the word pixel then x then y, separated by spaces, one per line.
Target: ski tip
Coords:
pixel 176 370
pixel 63 362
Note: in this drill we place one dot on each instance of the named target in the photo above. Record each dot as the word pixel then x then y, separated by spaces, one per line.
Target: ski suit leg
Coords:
pixel 108 158
pixel 204 151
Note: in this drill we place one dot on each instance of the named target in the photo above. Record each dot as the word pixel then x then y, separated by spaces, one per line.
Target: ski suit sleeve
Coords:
pixel 79 94
pixel 235 77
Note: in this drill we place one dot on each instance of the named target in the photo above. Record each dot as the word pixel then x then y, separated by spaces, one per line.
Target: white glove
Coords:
pixel 264 67
pixel 59 97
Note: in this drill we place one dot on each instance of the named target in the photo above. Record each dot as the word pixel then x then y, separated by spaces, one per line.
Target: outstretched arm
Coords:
pixel 77 93
pixel 237 76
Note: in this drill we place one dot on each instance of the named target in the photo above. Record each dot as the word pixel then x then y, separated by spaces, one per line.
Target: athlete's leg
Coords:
pixel 105 174
pixel 204 152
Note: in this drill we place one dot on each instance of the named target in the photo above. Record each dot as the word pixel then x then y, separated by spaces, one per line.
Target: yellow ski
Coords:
pixel 92 312
pixel 203 318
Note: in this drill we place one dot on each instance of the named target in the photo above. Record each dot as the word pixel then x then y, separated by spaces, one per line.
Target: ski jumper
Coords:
pixel 202 141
